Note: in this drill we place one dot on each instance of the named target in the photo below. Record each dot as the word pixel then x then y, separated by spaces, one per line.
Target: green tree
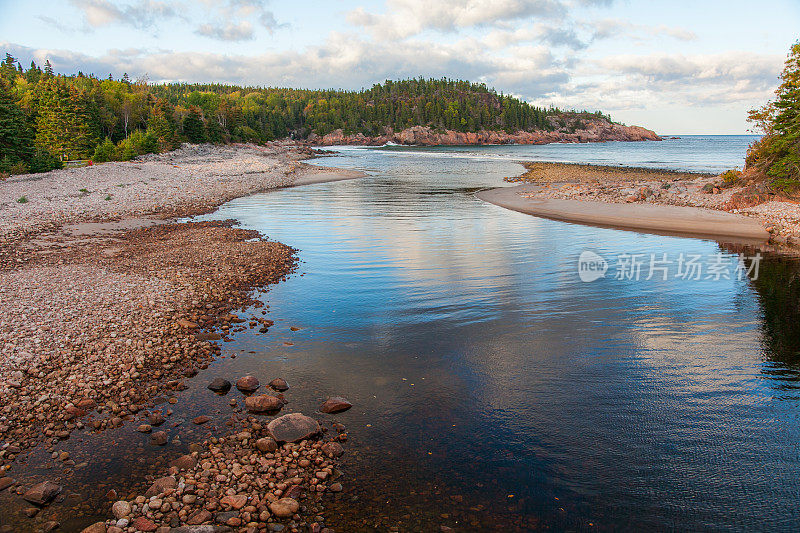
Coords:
pixel 193 127
pixel 778 153
pixel 16 141
pixel 63 124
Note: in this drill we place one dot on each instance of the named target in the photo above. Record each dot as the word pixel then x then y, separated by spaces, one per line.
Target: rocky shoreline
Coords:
pixel 593 183
pixel 594 130
pixel 106 302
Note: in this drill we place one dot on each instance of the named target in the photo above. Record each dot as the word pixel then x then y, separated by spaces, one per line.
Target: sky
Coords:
pixel 678 67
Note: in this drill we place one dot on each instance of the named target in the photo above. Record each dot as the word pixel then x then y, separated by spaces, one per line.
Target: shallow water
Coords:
pixel 492 387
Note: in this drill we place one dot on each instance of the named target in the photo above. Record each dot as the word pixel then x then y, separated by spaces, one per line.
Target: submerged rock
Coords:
pixel 335 404
pixel 293 427
pixel 247 384
pixel 279 384
pixel 284 508
pixel 161 485
pixel 220 385
pixel 42 493
pixel 262 403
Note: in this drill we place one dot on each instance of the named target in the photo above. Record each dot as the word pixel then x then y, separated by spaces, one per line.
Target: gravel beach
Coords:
pixel 780 217
pixel 106 301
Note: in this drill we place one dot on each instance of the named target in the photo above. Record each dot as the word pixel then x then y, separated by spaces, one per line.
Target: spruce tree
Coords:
pixel 16 141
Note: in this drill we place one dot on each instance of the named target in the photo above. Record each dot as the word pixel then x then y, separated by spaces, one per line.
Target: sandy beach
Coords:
pixel 652 200
pixel 106 301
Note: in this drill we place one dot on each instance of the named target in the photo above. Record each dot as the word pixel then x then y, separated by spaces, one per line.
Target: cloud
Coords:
pixel 242 31
pixel 615 28
pixel 142 14
pixel 232 20
pixel 404 18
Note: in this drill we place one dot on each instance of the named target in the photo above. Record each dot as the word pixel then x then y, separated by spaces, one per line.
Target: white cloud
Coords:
pixel 242 31
pixel 142 14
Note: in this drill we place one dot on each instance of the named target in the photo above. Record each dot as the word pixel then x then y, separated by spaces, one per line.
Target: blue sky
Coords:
pixel 676 67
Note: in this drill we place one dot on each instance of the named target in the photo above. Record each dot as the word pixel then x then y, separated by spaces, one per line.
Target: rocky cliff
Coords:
pixel 591 131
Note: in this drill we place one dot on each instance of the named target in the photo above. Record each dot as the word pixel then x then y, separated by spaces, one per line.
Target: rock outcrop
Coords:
pixel 595 130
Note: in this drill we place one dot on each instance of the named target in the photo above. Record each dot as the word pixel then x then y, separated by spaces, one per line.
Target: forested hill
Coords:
pixel 45 117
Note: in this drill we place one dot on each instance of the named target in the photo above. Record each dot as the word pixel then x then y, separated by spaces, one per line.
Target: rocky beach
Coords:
pixel 107 303
pixel 779 215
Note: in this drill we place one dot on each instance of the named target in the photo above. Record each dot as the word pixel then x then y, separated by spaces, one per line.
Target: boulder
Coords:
pixel 97 527
pixel 144 524
pixel 5 482
pixel 121 509
pixel 332 449
pixel 247 384
pixel 199 517
pixel 220 385
pixel 335 404
pixel 284 508
pixel 279 384
pixel 293 427
pixel 184 462
pixel 161 485
pixel 262 403
pixel 159 438
pixel 42 493
pixel 236 501
pixel 266 444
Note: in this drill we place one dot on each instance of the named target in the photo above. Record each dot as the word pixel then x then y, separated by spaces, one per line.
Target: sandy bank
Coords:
pixel 662 219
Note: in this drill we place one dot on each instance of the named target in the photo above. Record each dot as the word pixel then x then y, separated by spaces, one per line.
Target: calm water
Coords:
pixel 493 389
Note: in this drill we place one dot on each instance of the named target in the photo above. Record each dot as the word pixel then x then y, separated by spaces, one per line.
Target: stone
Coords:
pixel 335 404
pixel 121 509
pixel 332 449
pixel 159 438
pixel 293 427
pixel 161 485
pixel 247 384
pixel 144 524
pixel 201 529
pixel 5 482
pixel 144 428
pixel 198 517
pixel 284 508
pixel 336 487
pixel 188 324
pixel 262 403
pixel 202 419
pixel 50 525
pixel 266 444
pixel 220 385
pixel 236 501
pixel 97 527
pixel 184 462
pixel 42 493
pixel 156 418
pixel 279 384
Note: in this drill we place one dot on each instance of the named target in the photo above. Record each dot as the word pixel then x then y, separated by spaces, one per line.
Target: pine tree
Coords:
pixel 193 127
pixel 16 141
pixel 63 125
pixel 48 69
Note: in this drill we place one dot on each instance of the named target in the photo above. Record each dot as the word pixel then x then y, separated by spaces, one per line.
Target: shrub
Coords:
pixel 104 151
pixel 22 200
pixel 731 177
pixel 44 161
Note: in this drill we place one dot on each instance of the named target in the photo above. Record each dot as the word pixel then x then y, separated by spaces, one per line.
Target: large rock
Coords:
pixel 263 403
pixel 266 444
pixel 97 527
pixel 121 509
pixel 279 384
pixel 159 438
pixel 42 493
pixel 199 517
pixel 201 529
pixel 236 501
pixel 247 384
pixel 220 385
pixel 144 524
pixel 332 449
pixel 293 427
pixel 161 485
pixel 335 404
pixel 184 462
pixel 284 508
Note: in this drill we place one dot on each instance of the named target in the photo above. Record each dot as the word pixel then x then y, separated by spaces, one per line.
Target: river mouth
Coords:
pixel 492 387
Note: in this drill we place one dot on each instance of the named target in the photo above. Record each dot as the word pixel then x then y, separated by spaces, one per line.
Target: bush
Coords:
pixel 104 151
pixel 44 161
pixel 731 177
